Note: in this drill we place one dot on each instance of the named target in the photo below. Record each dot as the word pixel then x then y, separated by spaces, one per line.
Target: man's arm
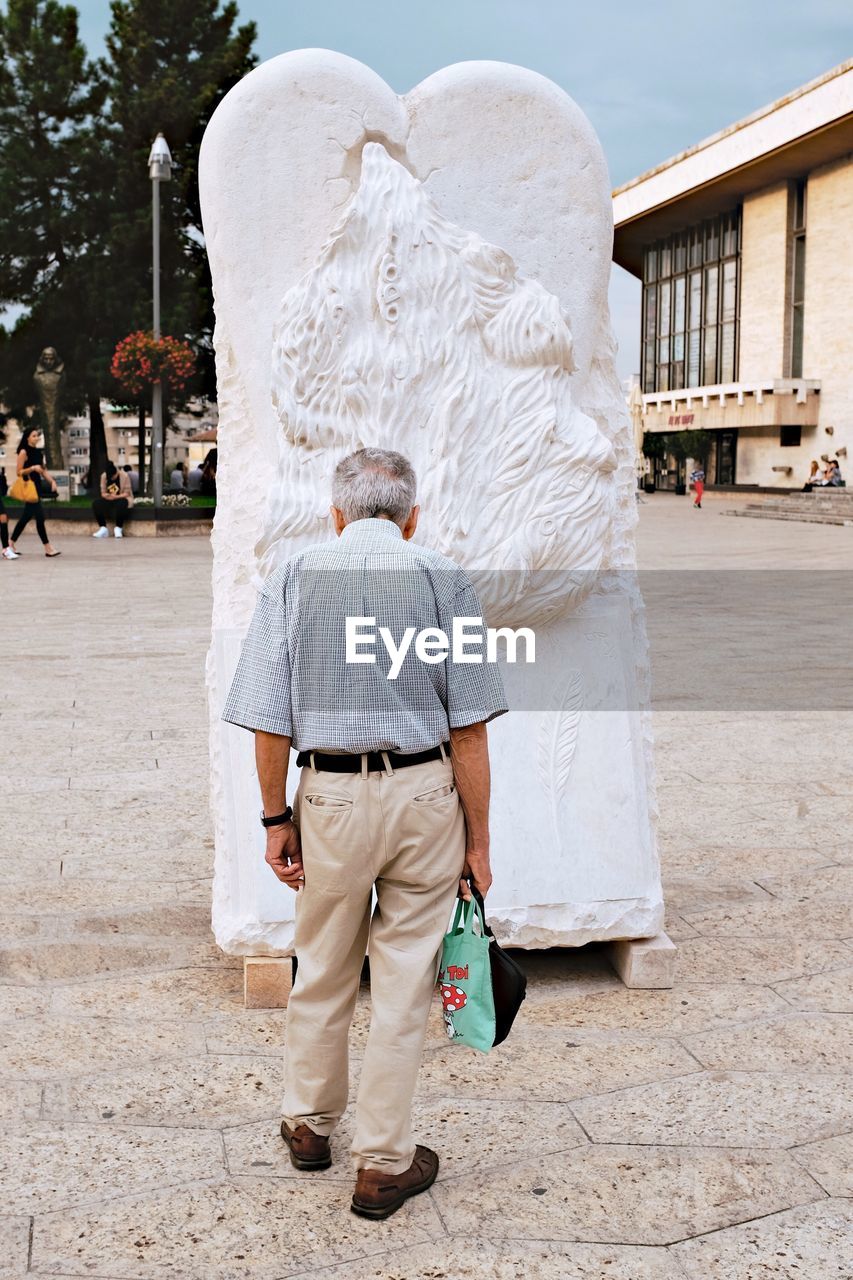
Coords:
pixel 469 755
pixel 284 851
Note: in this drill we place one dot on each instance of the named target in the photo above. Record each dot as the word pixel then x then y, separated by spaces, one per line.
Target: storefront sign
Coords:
pixel 680 419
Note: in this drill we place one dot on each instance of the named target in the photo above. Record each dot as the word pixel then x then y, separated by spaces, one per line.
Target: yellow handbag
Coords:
pixel 24 490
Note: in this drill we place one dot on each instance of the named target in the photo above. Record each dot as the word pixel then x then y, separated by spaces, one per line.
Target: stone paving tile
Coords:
pixel 20 1100
pixel 776 919
pixel 551 1067
pixel 684 1009
pixel 830 992
pixel 199 1092
pixel 507 1260
pixel 32 1047
pixel 248 1230
pixel 45 1167
pixel 723 1108
pixel 773 960
pixel 625 1195
pixel 834 881
pixel 695 893
pixel 22 1002
pixel 466 1135
pixel 823 1042
pixel 737 860
pixel 178 993
pixel 64 897
pixel 58 961
pixel 811 1242
pixel 138 866
pixel 182 919
pixel 14 1247
pixel 830 1162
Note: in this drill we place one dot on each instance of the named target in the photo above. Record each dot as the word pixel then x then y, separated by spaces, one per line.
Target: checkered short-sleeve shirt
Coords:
pixel 293 678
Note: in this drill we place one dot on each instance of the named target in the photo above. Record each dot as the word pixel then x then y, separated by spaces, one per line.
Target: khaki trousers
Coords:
pixel 403 834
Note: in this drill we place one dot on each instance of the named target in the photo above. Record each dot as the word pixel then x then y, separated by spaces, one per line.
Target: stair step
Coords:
pixel 806 517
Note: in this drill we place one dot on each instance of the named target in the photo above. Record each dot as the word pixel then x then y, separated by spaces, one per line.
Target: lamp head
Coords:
pixel 160 160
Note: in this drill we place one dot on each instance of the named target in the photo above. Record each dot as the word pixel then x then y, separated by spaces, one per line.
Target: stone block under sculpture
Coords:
pixel 429 273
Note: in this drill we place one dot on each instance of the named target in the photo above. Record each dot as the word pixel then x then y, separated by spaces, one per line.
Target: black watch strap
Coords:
pixel 278 819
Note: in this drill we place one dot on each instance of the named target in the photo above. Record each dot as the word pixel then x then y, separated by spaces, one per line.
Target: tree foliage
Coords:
pixel 75 195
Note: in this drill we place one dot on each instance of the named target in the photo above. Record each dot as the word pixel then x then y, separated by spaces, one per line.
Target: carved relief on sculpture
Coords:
pixel 410 332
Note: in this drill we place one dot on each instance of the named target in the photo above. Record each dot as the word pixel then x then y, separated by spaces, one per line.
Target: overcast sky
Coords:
pixel 653 77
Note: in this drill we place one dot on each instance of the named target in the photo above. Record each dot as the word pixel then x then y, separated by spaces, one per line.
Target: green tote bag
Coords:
pixel 466 980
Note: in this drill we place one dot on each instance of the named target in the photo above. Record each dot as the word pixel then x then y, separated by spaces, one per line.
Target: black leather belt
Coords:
pixel 326 763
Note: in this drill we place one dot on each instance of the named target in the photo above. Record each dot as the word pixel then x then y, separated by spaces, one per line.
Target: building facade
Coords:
pixel 744 246
pixel 121 430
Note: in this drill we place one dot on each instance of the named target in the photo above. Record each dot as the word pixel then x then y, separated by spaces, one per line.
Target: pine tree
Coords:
pixel 169 64
pixel 50 99
pixel 80 266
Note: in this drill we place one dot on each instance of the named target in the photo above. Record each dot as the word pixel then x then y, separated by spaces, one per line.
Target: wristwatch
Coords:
pixel 278 819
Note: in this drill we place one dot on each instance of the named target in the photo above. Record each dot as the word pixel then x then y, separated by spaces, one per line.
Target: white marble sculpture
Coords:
pixel 429 273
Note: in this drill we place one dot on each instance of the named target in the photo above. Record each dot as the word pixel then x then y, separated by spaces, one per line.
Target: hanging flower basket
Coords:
pixel 141 359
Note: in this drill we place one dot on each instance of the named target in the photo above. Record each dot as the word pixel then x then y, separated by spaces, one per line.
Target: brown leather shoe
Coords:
pixel 378 1194
pixel 308 1150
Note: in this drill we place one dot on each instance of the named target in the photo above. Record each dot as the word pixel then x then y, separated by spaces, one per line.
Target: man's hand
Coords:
pixel 478 869
pixel 284 854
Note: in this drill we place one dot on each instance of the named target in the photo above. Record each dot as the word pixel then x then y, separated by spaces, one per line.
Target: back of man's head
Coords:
pixel 374 482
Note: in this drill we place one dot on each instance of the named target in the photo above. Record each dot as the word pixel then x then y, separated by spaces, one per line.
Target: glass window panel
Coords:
pixel 712 240
pixel 678 346
pixel 695 290
pixel 663 378
pixel 663 351
pixel 651 311
pixel 680 296
pixel 727 353
pixel 651 264
pixel 665 294
pixel 649 368
pixel 711 274
pixel 665 261
pixel 797 344
pixel 729 307
pixel 710 371
pixel 730 235
pixel 696 247
pixel 800 205
pixel 799 268
pixel 678 376
pixel 680 262
pixel 693 345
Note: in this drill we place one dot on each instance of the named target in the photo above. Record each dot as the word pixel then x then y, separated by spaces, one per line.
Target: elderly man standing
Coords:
pixel 393 797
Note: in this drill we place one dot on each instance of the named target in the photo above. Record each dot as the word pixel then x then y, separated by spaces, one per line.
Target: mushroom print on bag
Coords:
pixel 453 999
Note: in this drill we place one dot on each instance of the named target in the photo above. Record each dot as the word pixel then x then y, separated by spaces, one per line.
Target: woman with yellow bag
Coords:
pixel 32 478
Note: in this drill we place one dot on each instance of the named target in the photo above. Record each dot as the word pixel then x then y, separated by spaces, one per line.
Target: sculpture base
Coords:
pixel 647 963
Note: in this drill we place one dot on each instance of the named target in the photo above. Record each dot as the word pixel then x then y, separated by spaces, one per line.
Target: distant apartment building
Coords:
pixel 744 246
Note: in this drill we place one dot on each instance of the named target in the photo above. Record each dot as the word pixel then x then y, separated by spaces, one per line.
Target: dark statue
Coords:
pixel 49 380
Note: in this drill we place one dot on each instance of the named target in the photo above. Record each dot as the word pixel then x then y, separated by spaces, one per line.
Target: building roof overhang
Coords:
pixel 787 139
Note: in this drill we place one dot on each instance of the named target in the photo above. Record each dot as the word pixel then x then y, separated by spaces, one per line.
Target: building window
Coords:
pixel 790 437
pixel 798 278
pixel 690 306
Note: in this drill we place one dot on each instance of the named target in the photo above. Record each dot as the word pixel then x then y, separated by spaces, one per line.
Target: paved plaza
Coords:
pixel 702 1133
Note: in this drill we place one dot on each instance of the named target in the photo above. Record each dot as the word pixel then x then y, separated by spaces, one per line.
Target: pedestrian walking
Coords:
pixel 31 468
pixel 8 553
pixel 393 798
pixel 697 479
pixel 116 499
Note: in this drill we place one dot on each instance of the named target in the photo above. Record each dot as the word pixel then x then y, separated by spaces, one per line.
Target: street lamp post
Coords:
pixel 159 170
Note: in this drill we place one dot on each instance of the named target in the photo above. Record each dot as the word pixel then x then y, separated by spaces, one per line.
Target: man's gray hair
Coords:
pixel 374 482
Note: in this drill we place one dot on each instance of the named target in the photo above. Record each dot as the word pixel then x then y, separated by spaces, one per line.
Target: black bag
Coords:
pixel 509 982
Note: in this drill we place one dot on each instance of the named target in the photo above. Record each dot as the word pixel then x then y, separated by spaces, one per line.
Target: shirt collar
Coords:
pixel 370 527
